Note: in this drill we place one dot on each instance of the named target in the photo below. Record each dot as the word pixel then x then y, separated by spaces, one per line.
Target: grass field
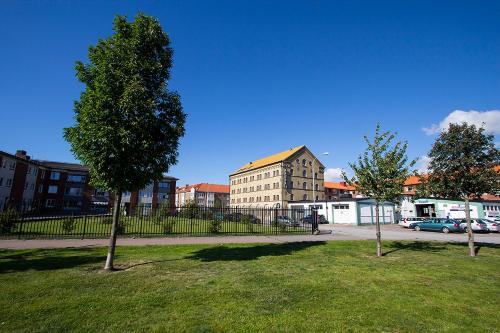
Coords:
pixel 99 226
pixel 297 287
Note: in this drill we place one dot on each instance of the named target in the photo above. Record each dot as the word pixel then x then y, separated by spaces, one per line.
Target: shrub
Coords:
pixel 247 221
pixel 107 220
pixel 189 210
pixel 280 226
pixel 215 226
pixel 207 215
pixel 168 226
pixel 68 224
pixel 8 219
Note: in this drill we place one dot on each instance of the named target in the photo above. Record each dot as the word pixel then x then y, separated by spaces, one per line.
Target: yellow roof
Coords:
pixel 269 160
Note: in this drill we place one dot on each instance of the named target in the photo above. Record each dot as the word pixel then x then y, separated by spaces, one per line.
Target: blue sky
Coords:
pixel 257 77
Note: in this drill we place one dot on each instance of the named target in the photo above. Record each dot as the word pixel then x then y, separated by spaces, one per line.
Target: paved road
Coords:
pixel 340 232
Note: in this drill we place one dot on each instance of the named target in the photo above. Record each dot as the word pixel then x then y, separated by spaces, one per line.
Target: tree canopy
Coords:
pixel 128 123
pixel 381 171
pixel 463 163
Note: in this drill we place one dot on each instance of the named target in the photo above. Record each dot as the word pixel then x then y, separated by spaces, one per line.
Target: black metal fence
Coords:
pixel 163 221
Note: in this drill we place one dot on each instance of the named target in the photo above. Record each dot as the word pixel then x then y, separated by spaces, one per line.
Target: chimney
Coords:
pixel 22 154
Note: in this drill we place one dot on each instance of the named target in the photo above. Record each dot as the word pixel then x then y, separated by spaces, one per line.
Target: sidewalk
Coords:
pixel 66 243
pixel 340 232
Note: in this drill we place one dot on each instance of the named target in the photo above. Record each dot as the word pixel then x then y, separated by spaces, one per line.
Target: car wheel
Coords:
pixel 417 228
pixel 445 230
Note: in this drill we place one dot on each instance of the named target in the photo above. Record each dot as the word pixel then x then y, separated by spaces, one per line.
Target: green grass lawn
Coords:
pixel 98 226
pixel 297 287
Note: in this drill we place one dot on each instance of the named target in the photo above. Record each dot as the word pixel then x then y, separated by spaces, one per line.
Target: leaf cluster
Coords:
pixel 128 123
pixel 381 171
pixel 463 163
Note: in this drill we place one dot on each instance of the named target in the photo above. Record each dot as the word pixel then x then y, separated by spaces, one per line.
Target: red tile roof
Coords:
pixel 412 180
pixel 205 187
pixel 339 186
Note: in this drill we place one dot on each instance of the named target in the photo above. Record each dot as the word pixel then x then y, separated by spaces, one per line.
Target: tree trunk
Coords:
pixel 114 232
pixel 472 250
pixel 377 227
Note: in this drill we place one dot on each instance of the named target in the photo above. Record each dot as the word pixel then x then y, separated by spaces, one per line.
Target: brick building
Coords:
pixel 58 187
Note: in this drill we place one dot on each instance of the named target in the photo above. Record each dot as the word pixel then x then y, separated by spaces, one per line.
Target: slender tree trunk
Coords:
pixel 114 232
pixel 377 227
pixel 472 250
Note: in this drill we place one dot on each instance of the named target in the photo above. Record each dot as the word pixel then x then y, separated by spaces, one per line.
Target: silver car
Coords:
pixel 476 225
pixel 493 226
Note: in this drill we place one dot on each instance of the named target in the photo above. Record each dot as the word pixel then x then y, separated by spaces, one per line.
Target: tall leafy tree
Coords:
pixel 381 171
pixel 128 124
pixel 462 166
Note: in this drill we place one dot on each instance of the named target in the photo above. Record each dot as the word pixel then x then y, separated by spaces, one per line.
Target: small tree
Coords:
pixel 128 124
pixel 463 162
pixel 190 209
pixel 380 172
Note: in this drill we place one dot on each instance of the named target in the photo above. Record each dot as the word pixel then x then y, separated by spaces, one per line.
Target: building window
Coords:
pixel 8 183
pixel 316 187
pixel 304 173
pixel 12 165
pixel 304 197
pixel 76 178
pixel 42 175
pixel 72 190
pixel 1 181
pixel 304 185
pixel 50 203
pixel 316 175
pixel 55 175
pixel 52 189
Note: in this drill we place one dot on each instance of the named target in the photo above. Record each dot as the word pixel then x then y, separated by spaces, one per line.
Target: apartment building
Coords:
pixel 204 194
pixel 151 196
pixel 42 185
pixel 58 187
pixel 17 179
pixel 274 181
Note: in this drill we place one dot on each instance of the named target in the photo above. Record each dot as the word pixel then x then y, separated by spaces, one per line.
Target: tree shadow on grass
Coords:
pixel 44 260
pixel 415 246
pixel 224 253
pixel 478 245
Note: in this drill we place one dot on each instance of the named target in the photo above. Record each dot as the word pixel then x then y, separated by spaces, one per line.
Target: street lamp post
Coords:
pixel 314 178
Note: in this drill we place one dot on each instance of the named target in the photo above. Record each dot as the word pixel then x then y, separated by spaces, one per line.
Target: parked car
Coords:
pixel 286 221
pixel 309 219
pixel 234 217
pixel 406 221
pixel 435 224
pixel 476 224
pixel 492 225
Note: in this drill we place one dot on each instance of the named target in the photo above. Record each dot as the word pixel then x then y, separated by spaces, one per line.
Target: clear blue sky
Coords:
pixel 260 77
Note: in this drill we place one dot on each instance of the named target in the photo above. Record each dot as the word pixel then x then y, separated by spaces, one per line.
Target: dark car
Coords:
pixel 309 219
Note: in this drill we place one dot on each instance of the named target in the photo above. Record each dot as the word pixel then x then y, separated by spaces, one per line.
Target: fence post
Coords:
pixel 314 221
pixel 142 219
pixel 84 226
